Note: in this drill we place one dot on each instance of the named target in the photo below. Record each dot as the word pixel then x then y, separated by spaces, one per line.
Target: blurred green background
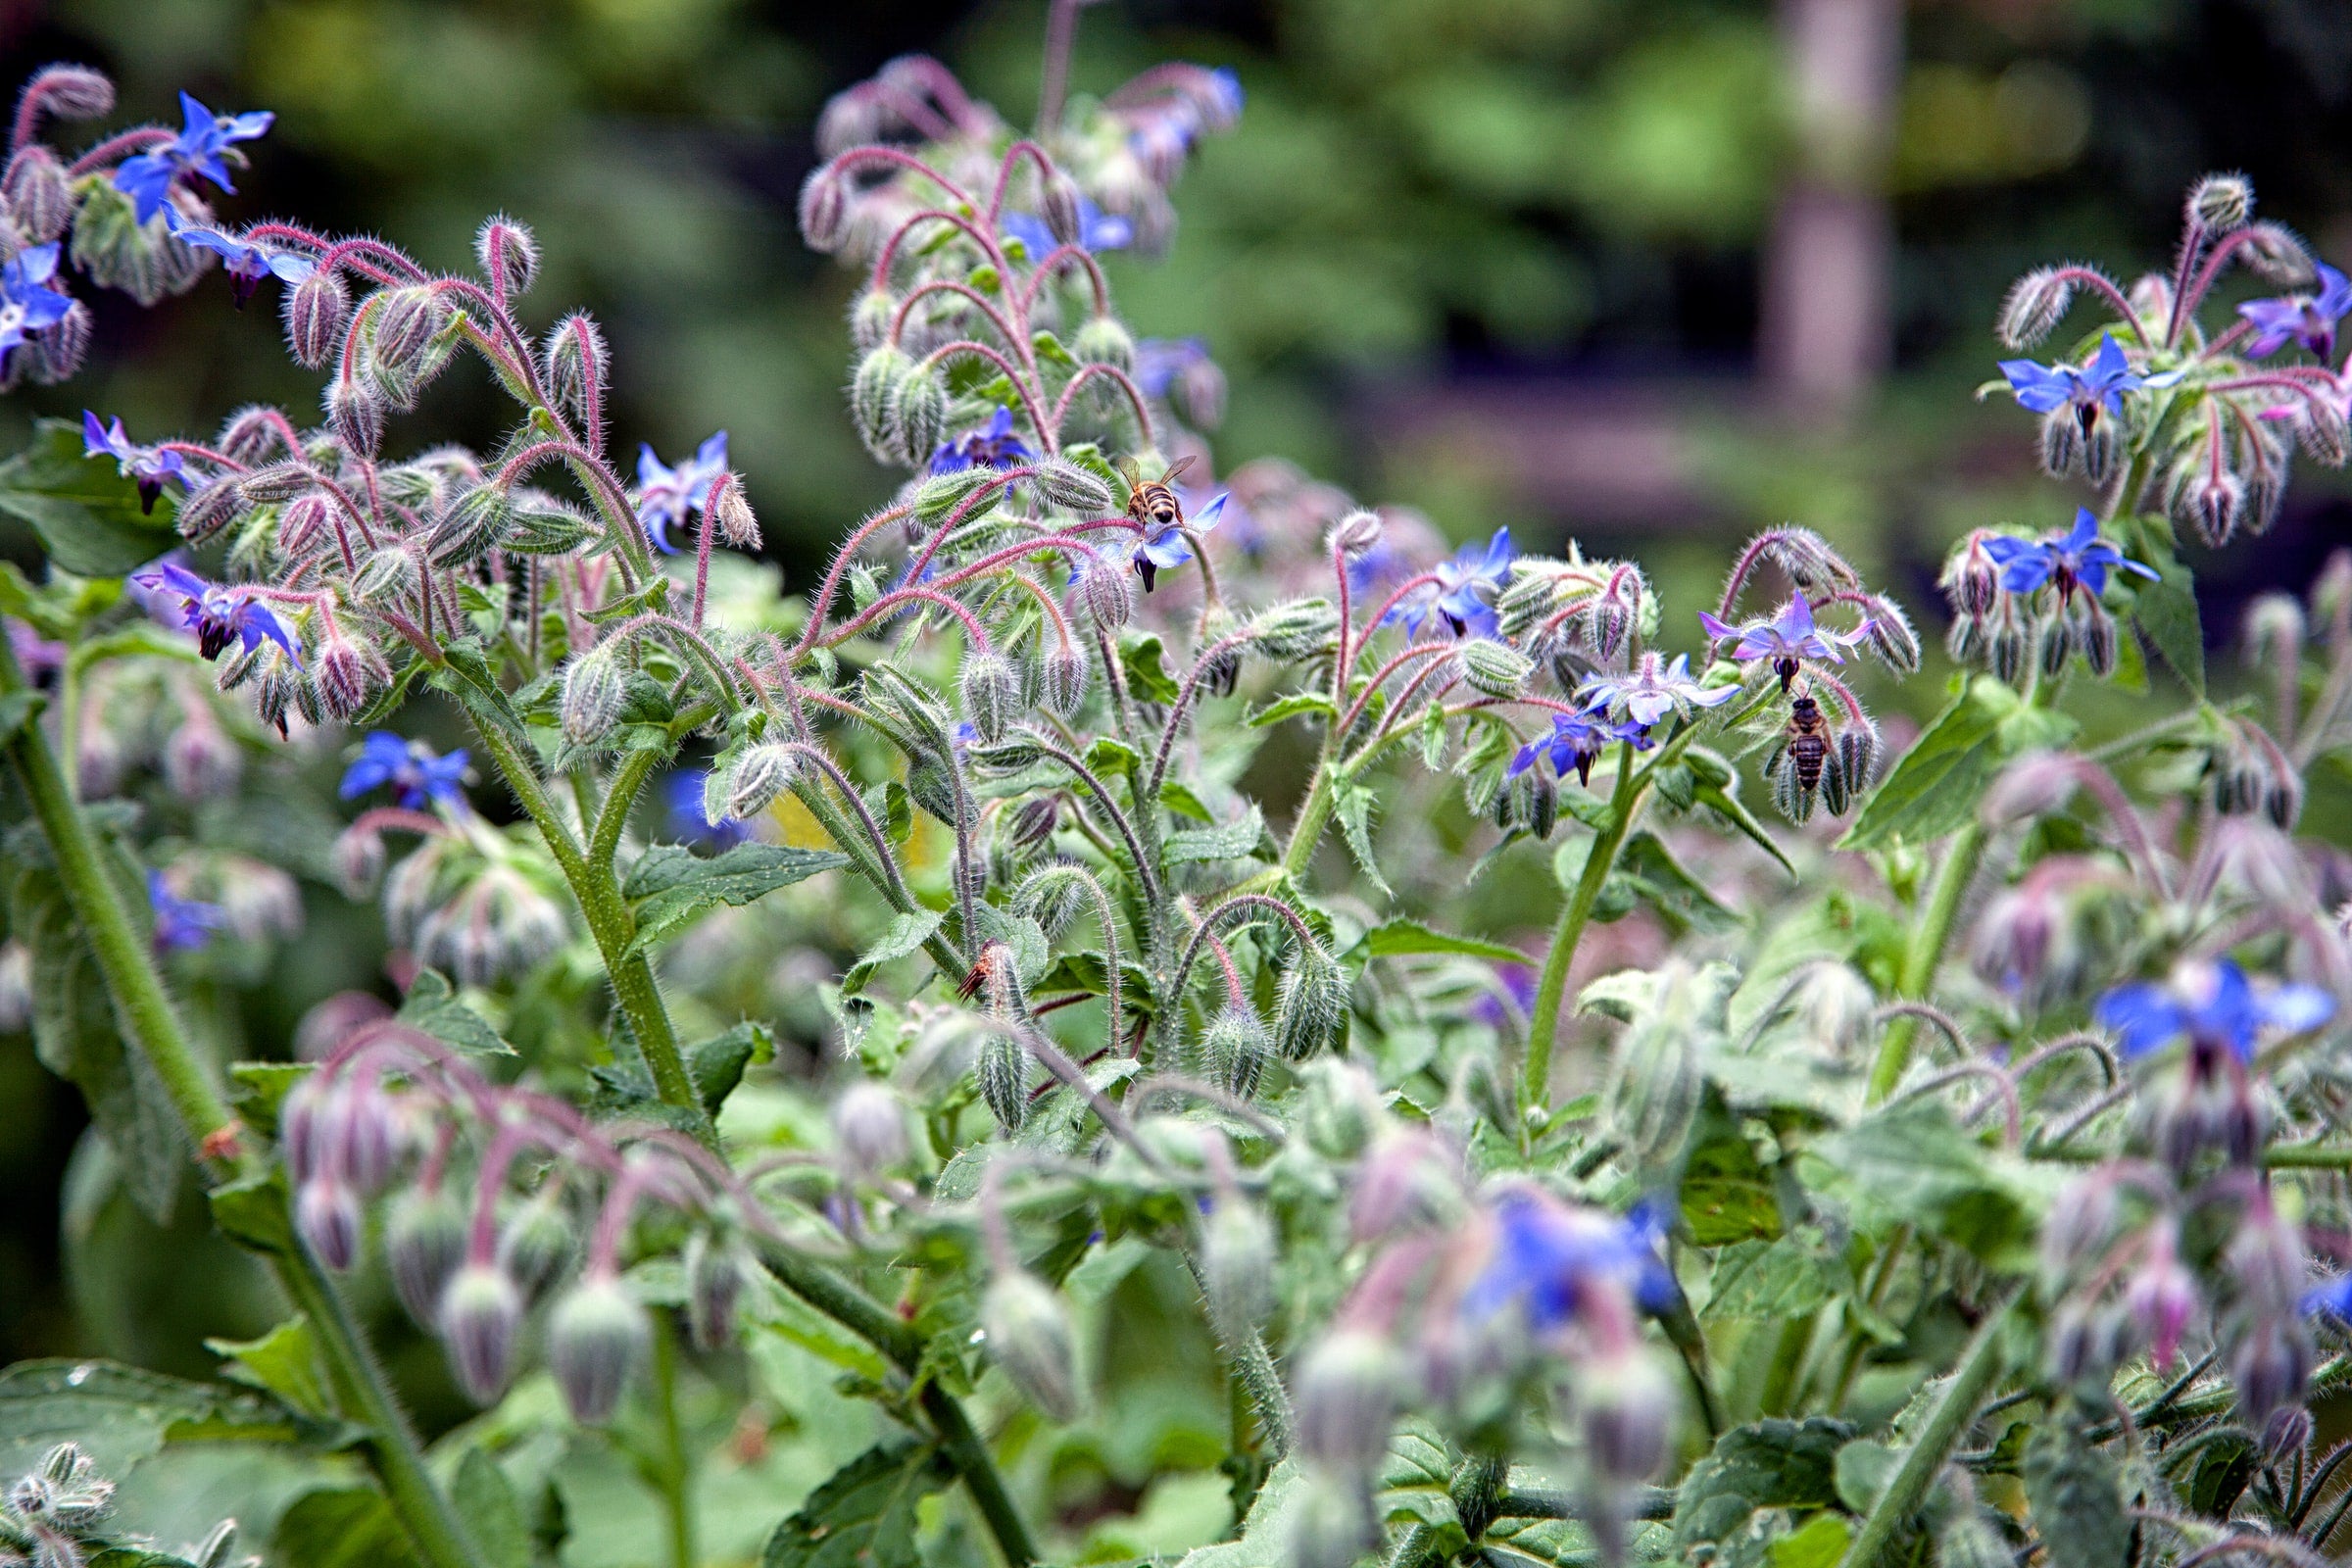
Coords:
pixel 1652 272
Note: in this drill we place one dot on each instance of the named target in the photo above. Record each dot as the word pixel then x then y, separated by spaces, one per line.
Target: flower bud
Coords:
pixel 2216 501
pixel 536 1243
pixel 358 858
pixel 1237 1267
pixel 762 773
pixel 1530 802
pixel 1029 1334
pixel 1334 1522
pixel 731 511
pixel 327 1212
pixel 1494 668
pixel 389 575
pixel 992 692
pixel 1003 1072
pixel 1354 535
pixel 1296 629
pixel 824 209
pixel 872 390
pixel 1073 488
pixel 1062 208
pixel 278 482
pixel 71 93
pixel 425 1245
pixel 1065 675
pixel 1346 1398
pixel 870 318
pixel 471 528
pixel 869 1125
pixel 1340 1109
pixel 56 353
pixel 208 512
pixel 2034 305
pixel 479 1312
pixel 2271 1369
pixel 918 415
pixel 713 1289
pixel 2094 633
pixel 577 364
pixel 1103 340
pixel 594 695
pixel 1103 591
pixel 2061 443
pixel 2278 256
pixel 1656 1085
pixel 1233 1047
pixel 1310 1005
pixel 597 1338
pixel 509 253
pixel 38 199
pixel 2220 203
pixel 1052 896
pixel 2322 432
pixel 357 417
pixel 200 762
pixel 405 324
pixel 1624 1404
pixel 315 310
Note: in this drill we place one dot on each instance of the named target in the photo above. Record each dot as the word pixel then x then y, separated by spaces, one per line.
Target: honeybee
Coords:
pixel 1153 506
pixel 1807 740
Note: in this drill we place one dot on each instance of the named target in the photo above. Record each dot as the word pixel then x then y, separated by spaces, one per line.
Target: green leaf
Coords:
pixel 1660 880
pixel 670 885
pixel 1178 797
pixel 906 935
pixel 76 1036
pixel 1769 1464
pixel 1148 677
pixel 1351 803
pixel 2075 1492
pixel 1912 1164
pixel 1400 939
pixel 253 1212
pixel 85 514
pixel 1719 800
pixel 2164 613
pixel 1936 787
pixel 1111 754
pixel 122 1414
pixel 1727 1195
pixel 493 1515
pixel 1779 1279
pixel 341 1527
pixel 262 1086
pixel 466 675
pixel 864 1515
pixel 1864 1467
pixel 1820 1544
pixel 1292 706
pixel 432 1006
pixel 1228 842
pixel 719 1062
pixel 284 1361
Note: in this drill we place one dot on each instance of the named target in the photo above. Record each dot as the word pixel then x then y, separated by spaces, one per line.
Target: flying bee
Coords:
pixel 1158 513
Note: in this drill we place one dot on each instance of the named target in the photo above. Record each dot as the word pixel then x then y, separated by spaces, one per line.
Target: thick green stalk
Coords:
pixel 1929 936
pixel 145 1009
pixel 897 1340
pixel 597 889
pixel 1544 1018
pixel 676 1471
pixel 1314 814
pixel 1971 1381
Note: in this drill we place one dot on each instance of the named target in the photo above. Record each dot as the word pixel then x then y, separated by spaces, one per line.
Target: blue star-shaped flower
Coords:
pixel 245 263
pixel 995 445
pixel 145 466
pixel 2080 557
pixel 1787 639
pixel 666 497
pixel 2306 318
pixel 1097 230
pixel 418 777
pixel 2045 388
pixel 1654 688
pixel 2213 1004
pixel 216 614
pixel 180 924
pixel 1577 741
pixel 27 303
pixel 198 149
pixel 1163 547
pixel 1462 593
pixel 1547 1255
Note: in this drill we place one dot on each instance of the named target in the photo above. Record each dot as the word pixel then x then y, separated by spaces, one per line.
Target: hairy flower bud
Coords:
pixel 474 526
pixel 824 209
pixel 39 202
pixel 758 777
pixel 389 575
pixel 1296 629
pixel 1073 488
pixel 869 1126
pixel 1656 1086
pixel 1624 1408
pixel 1103 340
pixel 713 1289
pixel 1029 1335
pixel 594 695
pixel 1346 1392
pixel 731 511
pixel 405 324
pixel 918 415
pixel 2061 443
pixel 1052 896
pixel 71 92
pixel 2035 304
pixel 315 310
pixel 2276 254
pixel 2220 203
pixel 870 316
pixel 579 363
pixel 2272 1369
pixel 509 253
pixel 424 1244
pixel 278 482
pixel 597 1338
pixel 479 1312
pixel 1310 1005
pixel 873 390
pixel 1233 1047
pixel 1494 668
pixel 1003 1072
pixel 1237 1267
pixel 1063 679
pixel 1062 208
pixel 327 1212
pixel 992 692
pixel 56 355
pixel 356 414
pixel 1530 802
pixel 536 1243
pixel 2322 431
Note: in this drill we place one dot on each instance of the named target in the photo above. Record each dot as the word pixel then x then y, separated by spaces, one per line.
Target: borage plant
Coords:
pixel 1152 1182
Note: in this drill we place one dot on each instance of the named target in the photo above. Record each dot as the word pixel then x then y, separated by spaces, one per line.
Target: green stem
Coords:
pixel 1544 1018
pixel 1971 1380
pixel 597 889
pixel 1314 814
pixel 145 1010
pixel 676 1473
pixel 898 1340
pixel 1929 936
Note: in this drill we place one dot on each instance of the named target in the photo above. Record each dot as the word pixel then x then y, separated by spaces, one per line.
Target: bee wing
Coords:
pixel 1131 474
pixel 1176 467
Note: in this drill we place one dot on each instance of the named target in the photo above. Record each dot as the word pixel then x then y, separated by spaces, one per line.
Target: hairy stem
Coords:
pixel 675 1471
pixel 1963 857
pixel 1544 1018
pixel 1971 1381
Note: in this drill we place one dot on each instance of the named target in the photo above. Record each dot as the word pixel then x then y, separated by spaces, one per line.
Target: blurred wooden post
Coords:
pixel 1827 325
